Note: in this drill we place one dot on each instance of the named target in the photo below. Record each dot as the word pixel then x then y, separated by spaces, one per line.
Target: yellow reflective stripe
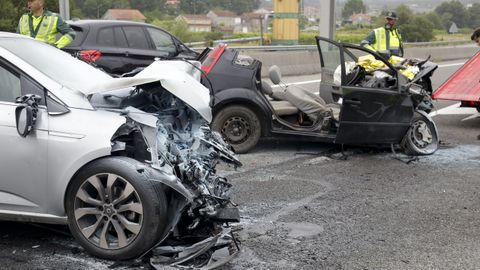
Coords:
pixel 24 27
pixel 42 33
pixel 381 40
pixel 64 41
pixel 45 33
pixel 53 24
pixel 394 40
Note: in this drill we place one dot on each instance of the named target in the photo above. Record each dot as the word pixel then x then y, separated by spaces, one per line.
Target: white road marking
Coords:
pixel 455 109
pixel 451 65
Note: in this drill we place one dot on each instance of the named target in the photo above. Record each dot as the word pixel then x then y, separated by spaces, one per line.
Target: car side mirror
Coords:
pixel 26 114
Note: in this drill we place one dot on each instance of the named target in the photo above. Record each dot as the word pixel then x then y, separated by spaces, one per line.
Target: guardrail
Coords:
pixel 227 41
pixel 304 59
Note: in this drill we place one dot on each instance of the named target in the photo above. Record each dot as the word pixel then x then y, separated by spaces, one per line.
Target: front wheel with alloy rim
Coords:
pixel 239 126
pixel 114 211
pixel 421 137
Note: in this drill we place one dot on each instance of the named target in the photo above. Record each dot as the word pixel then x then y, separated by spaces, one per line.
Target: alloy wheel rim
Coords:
pixel 108 211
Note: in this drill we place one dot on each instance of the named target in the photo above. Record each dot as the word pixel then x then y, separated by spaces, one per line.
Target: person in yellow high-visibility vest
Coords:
pixel 385 40
pixel 44 25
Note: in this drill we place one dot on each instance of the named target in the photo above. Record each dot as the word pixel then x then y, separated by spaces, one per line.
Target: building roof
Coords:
pixel 124 14
pixel 195 19
pixel 172 2
pixel 361 17
pixel 253 15
pixel 224 13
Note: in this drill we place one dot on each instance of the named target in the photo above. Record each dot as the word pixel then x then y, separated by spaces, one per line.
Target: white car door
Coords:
pixel 23 161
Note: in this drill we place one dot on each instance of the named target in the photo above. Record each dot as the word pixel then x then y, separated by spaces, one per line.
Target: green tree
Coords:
pixel 404 14
pixel 412 33
pixel 96 8
pixel 237 6
pixel 454 10
pixel 9 16
pixel 353 6
pixel 194 6
pixel 435 19
pixel 474 15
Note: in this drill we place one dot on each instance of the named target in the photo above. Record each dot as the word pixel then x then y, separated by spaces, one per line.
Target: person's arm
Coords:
pixel 19 23
pixel 68 34
pixel 401 52
pixel 369 40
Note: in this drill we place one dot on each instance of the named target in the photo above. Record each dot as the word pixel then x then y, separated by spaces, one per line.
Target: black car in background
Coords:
pixel 121 46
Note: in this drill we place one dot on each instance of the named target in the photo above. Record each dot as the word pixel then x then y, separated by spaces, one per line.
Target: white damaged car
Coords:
pixel 127 163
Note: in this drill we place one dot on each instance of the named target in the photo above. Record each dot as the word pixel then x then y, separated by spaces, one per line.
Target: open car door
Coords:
pixel 374 110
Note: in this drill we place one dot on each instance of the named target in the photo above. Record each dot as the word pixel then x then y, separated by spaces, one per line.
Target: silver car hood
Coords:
pixel 178 77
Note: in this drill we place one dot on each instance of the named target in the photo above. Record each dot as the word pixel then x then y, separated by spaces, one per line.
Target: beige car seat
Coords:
pixel 281 107
pixel 309 103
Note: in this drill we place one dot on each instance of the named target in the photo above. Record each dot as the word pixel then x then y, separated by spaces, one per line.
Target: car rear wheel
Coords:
pixel 114 211
pixel 421 137
pixel 239 126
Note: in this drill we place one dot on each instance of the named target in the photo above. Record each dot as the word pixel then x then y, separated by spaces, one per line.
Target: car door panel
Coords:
pixel 140 51
pixel 23 164
pixel 112 45
pixel 23 176
pixel 373 116
pixel 369 115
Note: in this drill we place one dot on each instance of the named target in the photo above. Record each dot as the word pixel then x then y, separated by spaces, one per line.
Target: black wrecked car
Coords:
pixel 376 102
pixel 119 47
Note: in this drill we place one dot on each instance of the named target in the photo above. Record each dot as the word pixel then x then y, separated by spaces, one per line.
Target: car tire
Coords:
pixel 239 126
pixel 421 137
pixel 127 220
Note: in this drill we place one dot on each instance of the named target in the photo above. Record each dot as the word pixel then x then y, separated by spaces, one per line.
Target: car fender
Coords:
pixel 87 136
pixel 247 97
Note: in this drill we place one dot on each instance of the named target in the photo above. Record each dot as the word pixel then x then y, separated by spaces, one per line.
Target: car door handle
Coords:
pixel 352 101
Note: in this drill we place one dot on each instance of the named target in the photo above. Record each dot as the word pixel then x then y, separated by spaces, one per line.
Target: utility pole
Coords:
pixel 285 22
pixel 64 9
pixel 327 18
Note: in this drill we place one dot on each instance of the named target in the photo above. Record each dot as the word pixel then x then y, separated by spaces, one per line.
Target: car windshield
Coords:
pixel 59 66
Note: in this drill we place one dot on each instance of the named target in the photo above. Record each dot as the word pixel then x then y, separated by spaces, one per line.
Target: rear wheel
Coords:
pixel 239 126
pixel 114 211
pixel 421 137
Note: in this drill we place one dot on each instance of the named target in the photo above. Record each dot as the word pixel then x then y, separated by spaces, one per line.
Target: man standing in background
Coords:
pixel 385 40
pixel 44 25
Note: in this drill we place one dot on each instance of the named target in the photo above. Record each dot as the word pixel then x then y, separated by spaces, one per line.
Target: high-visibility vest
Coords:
pixel 381 45
pixel 46 31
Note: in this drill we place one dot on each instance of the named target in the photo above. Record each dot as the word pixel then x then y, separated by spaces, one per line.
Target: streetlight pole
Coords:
pixel 327 18
pixel 64 9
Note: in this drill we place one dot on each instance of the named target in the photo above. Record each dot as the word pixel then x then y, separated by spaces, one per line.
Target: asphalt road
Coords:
pixel 305 208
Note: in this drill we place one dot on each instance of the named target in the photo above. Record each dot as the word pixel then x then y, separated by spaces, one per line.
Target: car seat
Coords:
pixel 281 107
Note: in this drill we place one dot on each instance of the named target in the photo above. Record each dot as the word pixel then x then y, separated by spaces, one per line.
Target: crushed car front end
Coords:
pixel 170 135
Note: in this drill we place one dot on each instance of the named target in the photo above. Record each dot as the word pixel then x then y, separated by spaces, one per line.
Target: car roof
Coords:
pixel 11 35
pixel 107 23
